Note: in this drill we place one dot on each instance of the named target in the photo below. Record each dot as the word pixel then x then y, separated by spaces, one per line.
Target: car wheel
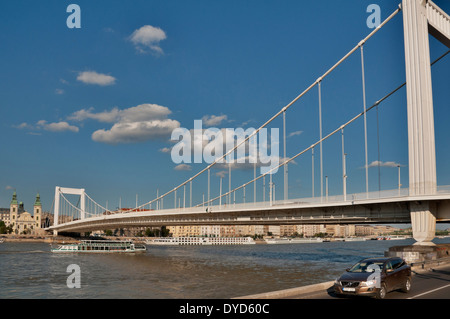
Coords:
pixel 381 292
pixel 407 286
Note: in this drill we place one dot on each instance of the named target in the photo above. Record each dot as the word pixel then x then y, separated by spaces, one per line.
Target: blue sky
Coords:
pixel 70 99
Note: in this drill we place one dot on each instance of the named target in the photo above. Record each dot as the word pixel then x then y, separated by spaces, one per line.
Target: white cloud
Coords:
pixel 92 77
pixel 105 116
pixel 23 125
pixel 148 37
pixel 59 91
pixel 57 127
pixel 138 113
pixel 213 120
pixel 135 124
pixel 183 167
pixel 165 150
pixel 52 127
pixel 384 164
pixel 133 132
pixel 221 174
pixel 144 112
pixel 295 133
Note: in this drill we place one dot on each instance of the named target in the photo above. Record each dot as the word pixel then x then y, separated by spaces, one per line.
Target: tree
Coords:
pixel 3 228
pixel 164 232
pixel 149 233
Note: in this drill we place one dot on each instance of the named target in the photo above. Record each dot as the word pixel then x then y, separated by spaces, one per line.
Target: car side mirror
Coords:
pixel 347 269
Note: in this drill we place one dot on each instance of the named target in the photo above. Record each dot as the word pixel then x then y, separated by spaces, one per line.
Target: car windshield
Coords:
pixel 367 266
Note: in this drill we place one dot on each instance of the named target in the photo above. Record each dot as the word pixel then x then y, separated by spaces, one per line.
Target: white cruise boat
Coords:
pixel 355 239
pixel 100 246
pixel 293 240
pixel 395 237
pixel 189 241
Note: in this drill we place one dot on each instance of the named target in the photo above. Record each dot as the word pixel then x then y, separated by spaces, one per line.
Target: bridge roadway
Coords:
pixel 376 207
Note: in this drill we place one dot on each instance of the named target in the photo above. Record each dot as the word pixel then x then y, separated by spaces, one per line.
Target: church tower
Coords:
pixel 37 211
pixel 13 211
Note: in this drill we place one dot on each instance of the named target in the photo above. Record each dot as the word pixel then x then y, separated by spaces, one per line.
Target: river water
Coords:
pixel 30 270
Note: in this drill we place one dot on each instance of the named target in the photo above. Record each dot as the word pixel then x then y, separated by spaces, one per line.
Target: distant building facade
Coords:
pixel 20 220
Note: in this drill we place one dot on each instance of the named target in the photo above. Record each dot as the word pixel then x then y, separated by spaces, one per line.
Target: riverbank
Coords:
pixel 8 238
pixel 57 239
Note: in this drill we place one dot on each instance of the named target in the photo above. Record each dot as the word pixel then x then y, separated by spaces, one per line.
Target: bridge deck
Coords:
pixel 374 207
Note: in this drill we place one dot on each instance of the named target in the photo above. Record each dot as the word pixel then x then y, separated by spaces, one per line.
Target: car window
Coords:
pixel 366 266
pixel 388 265
pixel 397 263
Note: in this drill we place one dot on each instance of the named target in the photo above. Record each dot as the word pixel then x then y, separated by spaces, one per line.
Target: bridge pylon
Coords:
pixel 420 18
pixel 72 191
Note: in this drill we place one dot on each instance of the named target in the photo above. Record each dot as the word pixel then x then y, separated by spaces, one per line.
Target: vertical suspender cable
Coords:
pixel 229 183
pixel 264 188
pixel 365 120
pixel 254 183
pixel 270 188
pixel 320 144
pixel 209 185
pixel 284 155
pixel 344 172
pixel 378 146
pixel 312 170
pixel 220 193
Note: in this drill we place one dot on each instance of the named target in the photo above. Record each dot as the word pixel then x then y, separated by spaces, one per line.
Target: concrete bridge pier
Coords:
pixel 423 221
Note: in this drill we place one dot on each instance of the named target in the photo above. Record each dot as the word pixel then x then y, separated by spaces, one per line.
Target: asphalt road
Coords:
pixel 433 284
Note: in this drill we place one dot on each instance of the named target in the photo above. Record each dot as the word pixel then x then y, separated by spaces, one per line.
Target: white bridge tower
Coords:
pixel 421 18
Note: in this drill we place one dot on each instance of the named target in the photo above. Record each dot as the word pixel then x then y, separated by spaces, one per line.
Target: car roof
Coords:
pixel 379 259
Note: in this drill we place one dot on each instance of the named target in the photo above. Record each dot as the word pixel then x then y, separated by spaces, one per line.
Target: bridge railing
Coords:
pixel 402 193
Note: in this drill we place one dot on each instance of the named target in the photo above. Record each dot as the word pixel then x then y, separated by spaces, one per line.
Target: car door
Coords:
pixel 390 280
pixel 396 274
pixel 404 273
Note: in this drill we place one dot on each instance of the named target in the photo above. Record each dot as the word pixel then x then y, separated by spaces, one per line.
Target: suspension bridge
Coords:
pixel 422 204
